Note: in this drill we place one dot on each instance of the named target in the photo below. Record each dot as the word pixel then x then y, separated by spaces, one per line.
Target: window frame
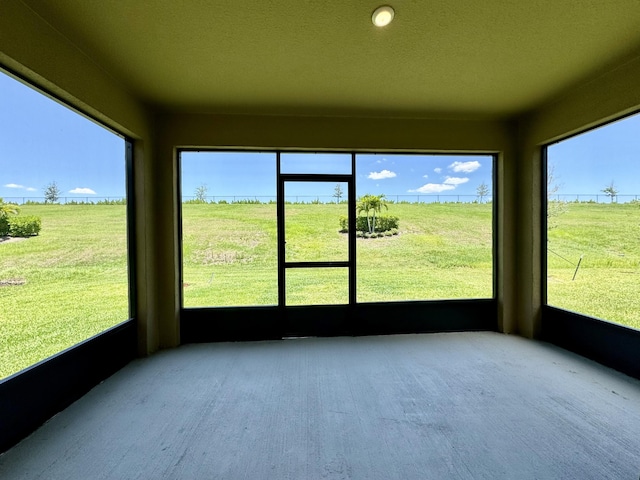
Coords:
pixel 544 202
pixel 495 194
pixel 130 223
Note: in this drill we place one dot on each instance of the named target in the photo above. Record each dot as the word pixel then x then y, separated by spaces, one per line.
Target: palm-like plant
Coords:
pixel 7 209
pixel 377 203
pixel 371 203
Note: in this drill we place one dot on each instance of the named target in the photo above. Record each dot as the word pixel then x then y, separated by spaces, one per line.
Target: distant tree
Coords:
pixel 51 193
pixel 201 193
pixel 482 191
pixel 338 193
pixel 611 191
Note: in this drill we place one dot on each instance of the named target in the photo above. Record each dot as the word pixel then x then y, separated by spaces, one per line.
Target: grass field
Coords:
pixel 606 284
pixel 442 251
pixel 70 282
pixel 65 285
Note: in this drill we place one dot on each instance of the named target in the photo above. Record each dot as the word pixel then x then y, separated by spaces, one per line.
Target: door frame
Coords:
pixel 350 263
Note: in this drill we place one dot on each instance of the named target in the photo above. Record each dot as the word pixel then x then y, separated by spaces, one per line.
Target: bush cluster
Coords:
pixel 25 226
pixel 388 233
pixel 384 223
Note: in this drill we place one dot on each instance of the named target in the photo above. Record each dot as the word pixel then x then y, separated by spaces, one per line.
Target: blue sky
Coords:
pixel 42 141
pixel 589 162
pixel 247 175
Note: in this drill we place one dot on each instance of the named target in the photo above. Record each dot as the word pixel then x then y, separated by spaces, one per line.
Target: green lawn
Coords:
pixel 70 282
pixel 230 254
pixel 607 282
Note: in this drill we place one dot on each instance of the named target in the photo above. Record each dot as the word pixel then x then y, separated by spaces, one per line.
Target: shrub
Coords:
pixel 344 224
pixel 383 223
pixel 4 226
pixel 386 222
pixel 361 224
pixel 24 226
pixel 118 201
pixel 248 201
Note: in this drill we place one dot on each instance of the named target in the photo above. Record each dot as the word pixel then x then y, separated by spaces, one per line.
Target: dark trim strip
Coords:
pixel 131 227
pixel 280 234
pixel 351 218
pixel 30 397
pixel 613 345
pixel 268 323
pixel 316 264
pixel 314 177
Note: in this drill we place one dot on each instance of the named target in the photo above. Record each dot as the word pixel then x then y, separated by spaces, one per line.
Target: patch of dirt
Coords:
pixel 12 282
pixel 12 239
pixel 207 257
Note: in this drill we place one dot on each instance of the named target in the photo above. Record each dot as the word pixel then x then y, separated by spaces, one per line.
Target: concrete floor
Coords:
pixel 433 406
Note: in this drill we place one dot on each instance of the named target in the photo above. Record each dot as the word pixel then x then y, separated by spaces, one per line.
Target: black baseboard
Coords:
pixel 612 345
pixel 31 397
pixel 264 323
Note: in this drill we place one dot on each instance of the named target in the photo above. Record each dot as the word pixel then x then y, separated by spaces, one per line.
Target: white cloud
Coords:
pixel 21 187
pixel 433 188
pixel 455 180
pixel 84 191
pixel 465 167
pixel 425 176
pixel 381 175
pixel 437 170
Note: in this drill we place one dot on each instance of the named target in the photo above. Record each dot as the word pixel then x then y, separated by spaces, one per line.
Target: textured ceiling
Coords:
pixel 311 57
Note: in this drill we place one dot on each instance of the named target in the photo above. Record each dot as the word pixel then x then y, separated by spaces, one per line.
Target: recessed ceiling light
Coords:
pixel 382 16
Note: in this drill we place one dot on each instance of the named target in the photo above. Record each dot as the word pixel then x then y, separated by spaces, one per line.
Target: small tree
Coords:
pixel 201 193
pixel 611 191
pixel 51 193
pixel 482 191
pixel 371 203
pixel 6 209
pixel 338 193
pixel 555 207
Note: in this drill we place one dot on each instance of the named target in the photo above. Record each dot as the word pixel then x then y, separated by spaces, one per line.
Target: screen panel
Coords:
pixel 424 227
pixel 64 274
pixel 593 223
pixel 229 229
pixel 312 230
pixel 317 286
